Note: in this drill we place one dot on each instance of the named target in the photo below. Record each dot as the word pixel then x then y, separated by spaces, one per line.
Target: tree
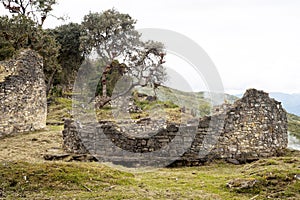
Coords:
pixel 20 32
pixel 37 10
pixel 70 55
pixel 112 36
pixel 24 30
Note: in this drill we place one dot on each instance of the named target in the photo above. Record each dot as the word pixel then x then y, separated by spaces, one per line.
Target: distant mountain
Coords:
pixel 290 102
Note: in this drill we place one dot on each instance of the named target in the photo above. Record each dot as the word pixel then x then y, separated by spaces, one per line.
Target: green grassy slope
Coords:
pixel 201 102
pixel 274 178
pixel 294 125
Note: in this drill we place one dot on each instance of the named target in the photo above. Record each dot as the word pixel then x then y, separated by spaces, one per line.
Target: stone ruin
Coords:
pixel 23 102
pixel 253 127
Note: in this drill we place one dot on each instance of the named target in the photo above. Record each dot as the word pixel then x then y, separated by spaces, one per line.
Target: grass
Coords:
pixel 60 180
pixel 58 110
pixel 31 147
pixel 25 175
pixel 276 177
pixel 153 109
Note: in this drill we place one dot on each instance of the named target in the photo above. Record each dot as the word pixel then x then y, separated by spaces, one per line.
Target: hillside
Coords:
pixel 201 101
pixel 294 125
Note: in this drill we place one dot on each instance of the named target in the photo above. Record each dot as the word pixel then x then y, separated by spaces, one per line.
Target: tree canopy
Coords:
pixel 112 36
pixel 20 32
pixel 37 10
pixel 70 55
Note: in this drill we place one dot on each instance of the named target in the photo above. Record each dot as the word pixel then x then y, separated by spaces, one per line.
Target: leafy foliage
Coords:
pixel 6 49
pixel 70 56
pixel 101 31
pixel 20 32
pixel 112 36
pixel 37 10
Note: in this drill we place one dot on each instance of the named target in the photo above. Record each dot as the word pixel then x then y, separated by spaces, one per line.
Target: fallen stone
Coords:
pixel 240 184
pixel 232 161
pixel 70 157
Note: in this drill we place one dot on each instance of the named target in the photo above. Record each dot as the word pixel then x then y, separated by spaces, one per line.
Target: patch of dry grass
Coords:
pixel 30 147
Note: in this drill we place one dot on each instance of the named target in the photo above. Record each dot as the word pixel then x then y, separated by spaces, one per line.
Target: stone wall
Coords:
pixel 23 102
pixel 253 127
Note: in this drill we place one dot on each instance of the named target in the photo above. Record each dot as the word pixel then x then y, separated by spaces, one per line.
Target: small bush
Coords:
pixel 6 50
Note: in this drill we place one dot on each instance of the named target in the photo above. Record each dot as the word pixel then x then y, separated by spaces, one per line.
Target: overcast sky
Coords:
pixel 253 43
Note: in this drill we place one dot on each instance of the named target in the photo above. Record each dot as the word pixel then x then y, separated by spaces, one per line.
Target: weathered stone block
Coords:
pixel 23 102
